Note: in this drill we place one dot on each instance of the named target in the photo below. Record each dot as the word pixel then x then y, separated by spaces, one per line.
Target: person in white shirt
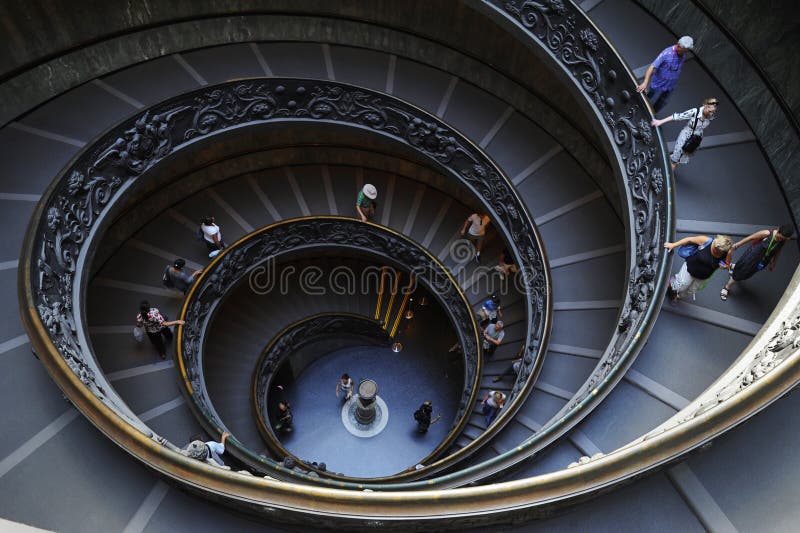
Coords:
pixel 474 229
pixel 492 403
pixel 345 383
pixel 212 236
pixel 698 119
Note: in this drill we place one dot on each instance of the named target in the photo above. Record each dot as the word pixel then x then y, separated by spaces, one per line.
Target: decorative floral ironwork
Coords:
pixel 321 233
pixel 138 147
pixel 783 343
pixel 90 184
pixel 592 64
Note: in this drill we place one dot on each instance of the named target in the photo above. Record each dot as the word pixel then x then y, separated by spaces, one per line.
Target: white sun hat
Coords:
pixel 686 42
pixel 370 191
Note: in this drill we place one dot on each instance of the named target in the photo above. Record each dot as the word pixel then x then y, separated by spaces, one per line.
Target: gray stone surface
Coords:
pixel 28 162
pixel 37 402
pixel 757 494
pixel 678 361
pixel 179 511
pixel 361 67
pixel 624 415
pixel 25 90
pixel 222 63
pixel 70 469
pixel 82 113
pixel 137 82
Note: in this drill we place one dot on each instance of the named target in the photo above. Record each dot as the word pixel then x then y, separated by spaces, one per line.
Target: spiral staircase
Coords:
pixel 60 473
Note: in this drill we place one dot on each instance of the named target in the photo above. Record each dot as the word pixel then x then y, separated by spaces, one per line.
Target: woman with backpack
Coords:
pixel 703 256
pixel 156 327
pixel 691 135
pixel 763 252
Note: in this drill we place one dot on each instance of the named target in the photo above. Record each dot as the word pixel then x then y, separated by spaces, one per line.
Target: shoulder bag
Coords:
pixel 694 140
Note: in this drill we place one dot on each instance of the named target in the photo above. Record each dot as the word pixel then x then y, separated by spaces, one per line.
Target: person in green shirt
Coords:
pixel 365 203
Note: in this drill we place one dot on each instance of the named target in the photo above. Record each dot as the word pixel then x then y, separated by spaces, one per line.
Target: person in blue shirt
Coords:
pixel 490 311
pixel 662 76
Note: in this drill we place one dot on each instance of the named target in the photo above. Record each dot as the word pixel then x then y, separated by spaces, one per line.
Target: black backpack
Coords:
pixel 694 140
pixel 166 279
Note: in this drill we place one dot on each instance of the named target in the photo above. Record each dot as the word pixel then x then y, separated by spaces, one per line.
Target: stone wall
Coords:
pixel 764 29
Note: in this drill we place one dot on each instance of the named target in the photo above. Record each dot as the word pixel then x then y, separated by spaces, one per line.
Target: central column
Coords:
pixel 365 407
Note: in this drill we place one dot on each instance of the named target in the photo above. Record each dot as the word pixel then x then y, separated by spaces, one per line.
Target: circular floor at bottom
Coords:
pixel 404 379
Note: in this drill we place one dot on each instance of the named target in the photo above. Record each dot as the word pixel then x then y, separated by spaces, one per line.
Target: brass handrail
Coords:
pixel 85 191
pixel 454 505
pixel 256 401
pixel 458 507
pixel 217 278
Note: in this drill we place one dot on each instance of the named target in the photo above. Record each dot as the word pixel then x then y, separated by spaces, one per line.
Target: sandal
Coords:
pixel 723 294
pixel 672 294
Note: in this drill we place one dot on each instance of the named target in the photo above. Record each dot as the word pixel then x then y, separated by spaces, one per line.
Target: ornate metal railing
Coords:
pixel 244 258
pixel 65 220
pixel 774 348
pixel 590 64
pixel 72 211
pixel 349 328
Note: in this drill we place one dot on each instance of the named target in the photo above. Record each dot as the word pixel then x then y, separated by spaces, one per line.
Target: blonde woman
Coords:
pixel 698 120
pixel 703 256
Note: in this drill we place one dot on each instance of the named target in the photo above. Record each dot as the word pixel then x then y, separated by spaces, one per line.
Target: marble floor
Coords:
pixel 423 370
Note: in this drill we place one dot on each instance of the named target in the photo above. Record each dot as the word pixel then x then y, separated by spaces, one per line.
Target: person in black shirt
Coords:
pixel 763 252
pixel 176 277
pixel 706 256
pixel 423 417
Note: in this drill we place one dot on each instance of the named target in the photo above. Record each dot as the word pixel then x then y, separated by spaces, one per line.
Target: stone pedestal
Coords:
pixel 365 407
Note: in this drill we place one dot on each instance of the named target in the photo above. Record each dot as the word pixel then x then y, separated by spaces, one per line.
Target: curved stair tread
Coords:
pixel 671 508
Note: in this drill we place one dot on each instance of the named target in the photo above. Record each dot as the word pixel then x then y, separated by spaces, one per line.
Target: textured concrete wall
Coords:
pixel 772 41
pixel 773 125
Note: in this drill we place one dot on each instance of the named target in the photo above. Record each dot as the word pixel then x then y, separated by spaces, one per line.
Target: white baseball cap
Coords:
pixel 370 191
pixel 686 42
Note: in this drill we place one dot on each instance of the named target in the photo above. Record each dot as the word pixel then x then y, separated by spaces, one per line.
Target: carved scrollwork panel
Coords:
pixel 93 181
pixel 596 69
pixel 235 264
